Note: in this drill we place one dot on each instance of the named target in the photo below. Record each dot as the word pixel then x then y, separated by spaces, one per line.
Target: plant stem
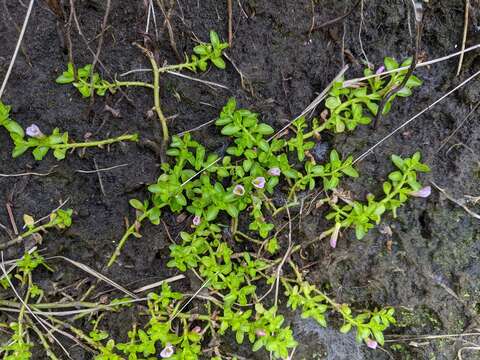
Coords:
pixel 130 231
pixel 132 83
pixel 156 96
pixel 133 137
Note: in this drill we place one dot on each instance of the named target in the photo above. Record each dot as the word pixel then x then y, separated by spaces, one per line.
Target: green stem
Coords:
pixel 133 137
pixel 130 231
pixel 132 83
pixel 156 96
pixel 248 238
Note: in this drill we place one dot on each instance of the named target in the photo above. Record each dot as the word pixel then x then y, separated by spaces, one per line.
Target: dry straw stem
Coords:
pixel 19 42
pixel 351 82
pixel 370 150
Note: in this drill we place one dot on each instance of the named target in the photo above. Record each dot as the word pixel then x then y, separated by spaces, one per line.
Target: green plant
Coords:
pixel 218 190
pixel 242 179
pixel 401 184
pixel 315 304
pixel 58 142
pixel 59 219
pixel 352 106
pixel 213 188
pixel 86 81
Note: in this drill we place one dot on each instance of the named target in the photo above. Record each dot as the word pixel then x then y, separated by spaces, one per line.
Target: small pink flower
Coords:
pixel 167 351
pixel 422 193
pixel 260 332
pixel 372 344
pixel 380 70
pixel 274 171
pixel 197 330
pixel 239 190
pixel 34 131
pixel 259 182
pixel 197 220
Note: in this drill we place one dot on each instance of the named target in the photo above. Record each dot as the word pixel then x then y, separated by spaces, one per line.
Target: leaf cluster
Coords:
pixel 397 189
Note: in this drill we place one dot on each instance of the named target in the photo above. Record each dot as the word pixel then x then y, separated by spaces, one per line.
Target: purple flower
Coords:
pixel 197 330
pixel 275 171
pixel 372 344
pixel 239 190
pixel 260 332
pixel 380 70
pixel 259 182
pixel 167 351
pixel 34 131
pixel 422 193
pixel 334 237
pixel 197 220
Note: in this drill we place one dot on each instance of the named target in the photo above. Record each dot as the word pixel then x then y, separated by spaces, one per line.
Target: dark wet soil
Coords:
pixel 428 268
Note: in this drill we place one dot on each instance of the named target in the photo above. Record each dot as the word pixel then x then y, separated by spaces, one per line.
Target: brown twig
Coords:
pixel 334 21
pixel 464 39
pixel 230 22
pixel 11 217
pixel 99 49
pixel 171 36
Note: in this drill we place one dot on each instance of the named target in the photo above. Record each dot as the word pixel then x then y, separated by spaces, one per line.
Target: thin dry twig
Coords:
pixel 101 169
pixel 197 128
pixel 456 201
pixel 370 150
pixel 464 38
pixel 230 22
pixel 19 42
pixel 444 142
pixel 337 19
pixel 96 274
pixel 313 104
pixel 158 283
pixel 351 82
pixel 42 322
pixel 30 173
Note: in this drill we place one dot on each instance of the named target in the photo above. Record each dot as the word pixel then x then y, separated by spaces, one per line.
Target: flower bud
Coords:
pixel 422 193
pixel 275 171
pixel 34 131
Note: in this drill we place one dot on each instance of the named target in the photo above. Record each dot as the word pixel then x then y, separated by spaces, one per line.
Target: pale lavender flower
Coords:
pixel 260 332
pixel 275 171
pixel 197 330
pixel 380 70
pixel 259 182
pixel 334 237
pixel 372 344
pixel 34 131
pixel 422 193
pixel 167 351
pixel 197 220
pixel 239 190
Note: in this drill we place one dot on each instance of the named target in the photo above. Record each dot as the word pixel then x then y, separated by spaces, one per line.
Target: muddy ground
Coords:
pixel 428 268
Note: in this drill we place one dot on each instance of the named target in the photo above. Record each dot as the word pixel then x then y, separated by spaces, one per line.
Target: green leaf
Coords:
pixel 398 161
pixel 230 130
pixel 136 204
pixel 40 152
pixel 219 62
pixel 390 63
pixel 332 103
pixel 346 328
pixel 350 171
pixel 395 176
pixel 214 39
pixel 264 129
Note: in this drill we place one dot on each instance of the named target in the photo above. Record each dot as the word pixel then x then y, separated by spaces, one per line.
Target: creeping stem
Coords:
pixel 156 96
